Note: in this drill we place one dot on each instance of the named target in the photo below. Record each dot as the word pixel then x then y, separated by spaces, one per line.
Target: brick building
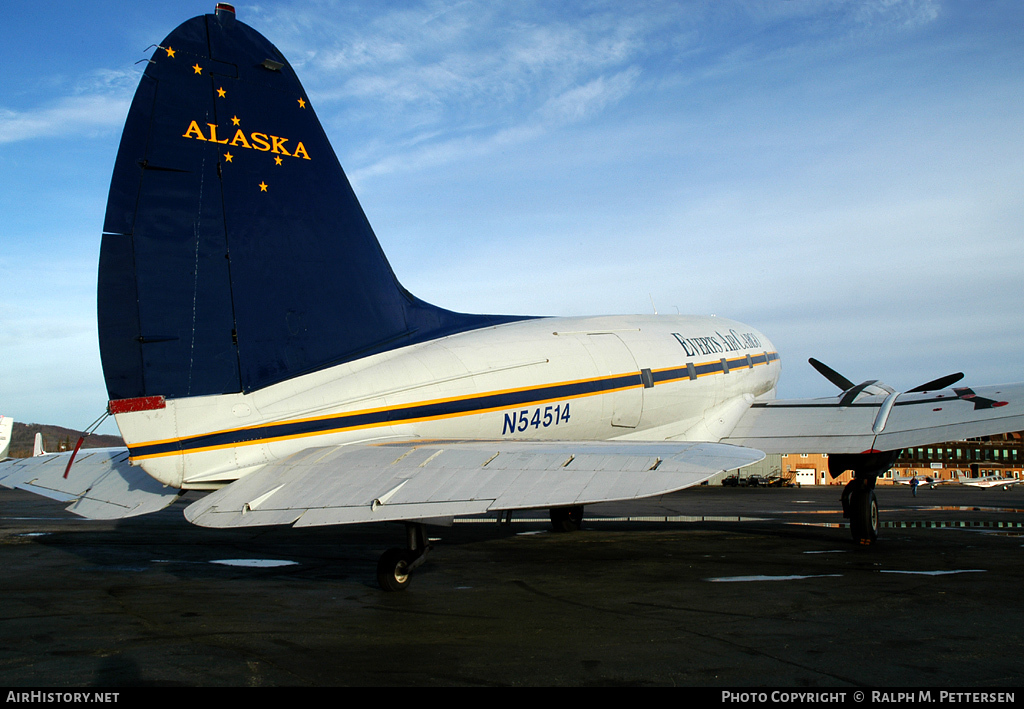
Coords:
pixel 1001 455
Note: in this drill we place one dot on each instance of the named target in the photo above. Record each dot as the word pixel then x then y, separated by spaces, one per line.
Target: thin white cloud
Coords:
pixel 576 104
pixel 901 14
pixel 70 116
pixel 581 101
pixel 435 80
pixel 525 61
pixel 465 55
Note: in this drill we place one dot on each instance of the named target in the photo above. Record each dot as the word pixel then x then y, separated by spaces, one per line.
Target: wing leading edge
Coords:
pixel 425 480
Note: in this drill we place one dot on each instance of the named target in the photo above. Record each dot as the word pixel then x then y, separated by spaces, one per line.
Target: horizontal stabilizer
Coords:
pixel 100 485
pixel 414 480
pixel 880 422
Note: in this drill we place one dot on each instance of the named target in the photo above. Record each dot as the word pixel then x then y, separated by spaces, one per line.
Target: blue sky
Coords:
pixel 847 177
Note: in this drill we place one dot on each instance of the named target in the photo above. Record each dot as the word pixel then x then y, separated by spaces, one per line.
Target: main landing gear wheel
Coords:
pixel 393 573
pixel 394 568
pixel 862 509
pixel 567 519
pixel 859 503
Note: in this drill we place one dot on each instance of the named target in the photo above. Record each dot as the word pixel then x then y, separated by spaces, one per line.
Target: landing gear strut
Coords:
pixel 567 519
pixel 394 569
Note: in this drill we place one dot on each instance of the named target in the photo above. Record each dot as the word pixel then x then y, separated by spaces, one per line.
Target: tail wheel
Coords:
pixel 393 573
pixel 863 513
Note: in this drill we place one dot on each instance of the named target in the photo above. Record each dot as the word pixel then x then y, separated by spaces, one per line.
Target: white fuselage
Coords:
pixel 617 377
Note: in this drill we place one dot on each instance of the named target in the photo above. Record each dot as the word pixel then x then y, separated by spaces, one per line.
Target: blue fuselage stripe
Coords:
pixel 429 410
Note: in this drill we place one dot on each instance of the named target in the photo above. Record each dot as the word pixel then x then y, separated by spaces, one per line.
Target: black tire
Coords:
pixel 393 570
pixel 567 519
pixel 864 516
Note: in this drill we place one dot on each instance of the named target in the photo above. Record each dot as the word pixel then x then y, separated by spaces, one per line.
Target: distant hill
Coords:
pixel 55 439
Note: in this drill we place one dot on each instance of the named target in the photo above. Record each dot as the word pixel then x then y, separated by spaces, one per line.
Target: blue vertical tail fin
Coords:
pixel 235 254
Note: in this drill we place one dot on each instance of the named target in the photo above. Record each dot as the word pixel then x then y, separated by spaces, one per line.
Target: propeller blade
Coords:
pixel 940 383
pixel 845 384
pixel 832 375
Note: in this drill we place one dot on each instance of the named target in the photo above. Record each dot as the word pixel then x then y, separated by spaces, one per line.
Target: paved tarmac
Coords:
pixel 709 587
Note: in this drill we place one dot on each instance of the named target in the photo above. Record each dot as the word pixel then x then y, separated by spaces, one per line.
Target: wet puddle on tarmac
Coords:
pixel 934 573
pixel 255 563
pixel 928 524
pixel 791 577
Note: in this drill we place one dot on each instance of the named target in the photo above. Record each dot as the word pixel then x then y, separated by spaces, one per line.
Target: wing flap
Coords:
pixel 101 484
pixel 421 480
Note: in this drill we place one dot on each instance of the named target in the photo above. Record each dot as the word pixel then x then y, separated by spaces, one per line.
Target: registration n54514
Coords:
pixel 535 418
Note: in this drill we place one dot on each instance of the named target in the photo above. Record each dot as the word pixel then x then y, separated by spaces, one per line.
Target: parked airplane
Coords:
pixel 987 481
pixel 256 343
pixel 922 481
pixel 960 479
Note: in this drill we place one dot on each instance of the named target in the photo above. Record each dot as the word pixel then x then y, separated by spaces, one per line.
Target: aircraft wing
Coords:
pixel 419 480
pixel 100 485
pixel 855 424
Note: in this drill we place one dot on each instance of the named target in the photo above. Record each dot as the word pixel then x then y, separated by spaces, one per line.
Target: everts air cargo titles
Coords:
pixel 257 345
